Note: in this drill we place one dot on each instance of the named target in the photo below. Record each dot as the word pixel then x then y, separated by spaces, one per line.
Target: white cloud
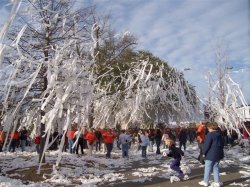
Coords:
pixel 184 32
pixel 4 14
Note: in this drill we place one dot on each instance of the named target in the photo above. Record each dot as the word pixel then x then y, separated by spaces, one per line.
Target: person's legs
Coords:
pixel 126 147
pixel 77 147
pixel 71 142
pixel 207 170
pixel 97 143
pixel 37 148
pixel 151 144
pixel 123 150
pixel 158 143
pixel 216 172
pixel 23 143
pixel 139 147
pixel 143 151
pixel 118 144
pixel 163 145
pixel 90 147
pixel 12 145
pixel 81 147
pixel 109 149
pixel 201 158
pixel 180 144
pixel 175 165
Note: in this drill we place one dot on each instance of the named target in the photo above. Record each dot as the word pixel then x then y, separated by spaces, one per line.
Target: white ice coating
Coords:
pixel 73 89
pixel 225 98
pixel 4 30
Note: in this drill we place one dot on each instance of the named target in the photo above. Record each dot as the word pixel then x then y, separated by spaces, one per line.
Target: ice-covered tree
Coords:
pixel 142 88
pixel 63 65
pixel 225 95
pixel 50 58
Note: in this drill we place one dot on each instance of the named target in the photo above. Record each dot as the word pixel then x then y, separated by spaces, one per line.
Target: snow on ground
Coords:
pixel 19 168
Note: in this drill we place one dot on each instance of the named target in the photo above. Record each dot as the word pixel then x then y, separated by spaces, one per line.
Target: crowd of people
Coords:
pixel 211 140
pixel 16 138
pixel 76 140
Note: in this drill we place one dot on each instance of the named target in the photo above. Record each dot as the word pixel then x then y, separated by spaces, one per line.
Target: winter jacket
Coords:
pixel 23 135
pixel 14 135
pixel 90 137
pixel 37 140
pixel 124 138
pixel 98 135
pixel 213 147
pixel 175 152
pixel 144 140
pixel 2 137
pixel 245 134
pixel 158 136
pixel 71 134
pixel 201 133
pixel 108 137
pixel 151 136
pixel 183 136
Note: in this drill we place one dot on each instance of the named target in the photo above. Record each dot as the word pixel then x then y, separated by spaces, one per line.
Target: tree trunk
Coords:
pixel 42 145
pixel 42 129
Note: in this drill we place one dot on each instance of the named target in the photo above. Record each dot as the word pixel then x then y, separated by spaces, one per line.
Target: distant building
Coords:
pixel 246 112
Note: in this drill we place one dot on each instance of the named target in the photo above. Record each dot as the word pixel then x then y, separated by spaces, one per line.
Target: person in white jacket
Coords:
pixel 124 140
pixel 144 143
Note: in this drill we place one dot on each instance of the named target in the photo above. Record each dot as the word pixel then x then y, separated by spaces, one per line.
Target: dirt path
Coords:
pixel 231 177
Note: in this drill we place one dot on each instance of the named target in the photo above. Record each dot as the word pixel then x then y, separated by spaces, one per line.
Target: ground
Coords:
pixel 20 169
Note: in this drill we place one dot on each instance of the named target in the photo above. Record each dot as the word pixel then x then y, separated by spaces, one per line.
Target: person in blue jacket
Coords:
pixel 213 152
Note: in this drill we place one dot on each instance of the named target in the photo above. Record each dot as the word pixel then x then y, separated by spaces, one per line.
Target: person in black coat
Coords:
pixel 158 136
pixel 23 138
pixel 213 152
pixel 183 138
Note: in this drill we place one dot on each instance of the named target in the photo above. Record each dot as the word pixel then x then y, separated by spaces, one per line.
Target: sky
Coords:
pixel 184 33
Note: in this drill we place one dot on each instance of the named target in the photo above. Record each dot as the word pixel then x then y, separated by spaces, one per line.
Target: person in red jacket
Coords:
pixel 200 137
pixel 2 138
pixel 37 141
pixel 246 132
pixel 91 138
pixel 14 136
pixel 108 138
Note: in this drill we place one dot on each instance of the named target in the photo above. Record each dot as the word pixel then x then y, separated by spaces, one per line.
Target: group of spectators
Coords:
pixel 17 139
pixel 76 141
pixel 211 140
pixel 104 139
pixel 144 138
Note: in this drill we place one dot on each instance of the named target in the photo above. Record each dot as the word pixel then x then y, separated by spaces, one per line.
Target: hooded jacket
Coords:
pixel 213 147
